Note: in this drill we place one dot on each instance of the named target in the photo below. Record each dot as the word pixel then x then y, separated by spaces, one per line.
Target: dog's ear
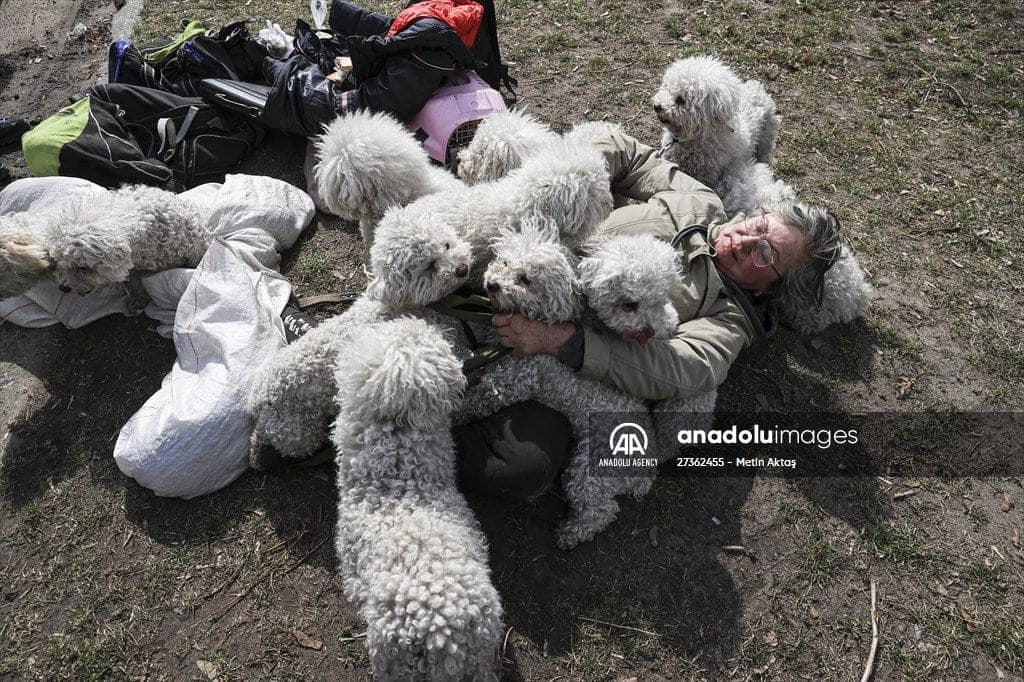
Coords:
pixel 588 270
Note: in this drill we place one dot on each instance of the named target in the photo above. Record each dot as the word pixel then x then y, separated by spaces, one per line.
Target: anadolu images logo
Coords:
pixel 628 439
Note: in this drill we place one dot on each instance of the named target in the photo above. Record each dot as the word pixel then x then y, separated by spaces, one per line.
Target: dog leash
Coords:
pixel 468 308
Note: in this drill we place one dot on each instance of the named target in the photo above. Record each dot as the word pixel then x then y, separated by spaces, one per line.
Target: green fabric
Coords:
pixel 42 144
pixel 158 55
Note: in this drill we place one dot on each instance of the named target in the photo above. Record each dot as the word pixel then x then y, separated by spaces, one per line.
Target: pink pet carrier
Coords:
pixel 448 121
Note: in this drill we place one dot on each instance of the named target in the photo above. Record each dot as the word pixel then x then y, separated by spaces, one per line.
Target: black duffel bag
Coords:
pixel 122 134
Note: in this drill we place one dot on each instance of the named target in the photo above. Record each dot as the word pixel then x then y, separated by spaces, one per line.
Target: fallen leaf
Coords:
pixel 814 612
pixel 771 639
pixel 969 620
pixel 1015 538
pixel 305 640
pixel 652 533
pixel 905 385
pixel 209 669
pixel 1007 502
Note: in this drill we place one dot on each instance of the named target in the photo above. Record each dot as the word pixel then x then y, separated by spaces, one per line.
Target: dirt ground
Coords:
pixel 906 117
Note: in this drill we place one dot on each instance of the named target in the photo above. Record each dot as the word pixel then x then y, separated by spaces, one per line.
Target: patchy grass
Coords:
pixel 906 117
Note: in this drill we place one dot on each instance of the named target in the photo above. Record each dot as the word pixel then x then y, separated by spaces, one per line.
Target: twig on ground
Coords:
pixel 861 54
pixel 621 627
pixel 949 86
pixel 505 643
pixel 306 556
pixel 905 493
pixel 352 638
pixel 869 667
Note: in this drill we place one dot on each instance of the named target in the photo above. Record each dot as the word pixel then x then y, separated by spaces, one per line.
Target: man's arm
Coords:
pixel 638 172
pixel 695 360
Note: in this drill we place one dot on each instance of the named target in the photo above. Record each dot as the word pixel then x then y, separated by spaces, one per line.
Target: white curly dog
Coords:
pixel 533 275
pixel 411 554
pixel 504 141
pixel 366 163
pixel 417 259
pixel 89 242
pixel 501 143
pixel 358 178
pixel 629 282
pixel 720 130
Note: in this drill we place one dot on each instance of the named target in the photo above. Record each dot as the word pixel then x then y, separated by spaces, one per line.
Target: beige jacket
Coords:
pixel 713 328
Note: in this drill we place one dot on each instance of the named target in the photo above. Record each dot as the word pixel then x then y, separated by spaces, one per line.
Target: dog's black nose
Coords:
pixel 493 287
pixel 64 289
pixel 657 107
pixel 461 270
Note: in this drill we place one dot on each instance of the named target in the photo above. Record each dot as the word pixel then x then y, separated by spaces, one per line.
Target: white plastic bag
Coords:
pixel 192 436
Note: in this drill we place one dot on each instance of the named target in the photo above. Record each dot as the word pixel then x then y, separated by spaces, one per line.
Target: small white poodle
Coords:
pixel 367 163
pixel 500 145
pixel 629 282
pixel 417 259
pixel 533 275
pixel 410 552
pixel 715 126
pixel 87 243
pixel 566 184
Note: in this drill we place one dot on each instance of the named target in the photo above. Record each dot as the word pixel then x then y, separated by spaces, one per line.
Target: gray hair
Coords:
pixel 821 230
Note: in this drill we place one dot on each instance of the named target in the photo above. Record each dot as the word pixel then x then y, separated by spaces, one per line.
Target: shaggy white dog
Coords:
pixel 416 259
pixel 715 127
pixel 566 184
pixel 588 131
pixel 410 552
pixel 532 274
pixel 90 242
pixel 500 145
pixel 629 282
pixel 367 163
pixel 846 294
pixel 753 186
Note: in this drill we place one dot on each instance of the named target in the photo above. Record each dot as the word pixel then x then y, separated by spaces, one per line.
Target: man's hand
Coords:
pixel 531 337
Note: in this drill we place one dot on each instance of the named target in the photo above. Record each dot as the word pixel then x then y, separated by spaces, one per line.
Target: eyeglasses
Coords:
pixel 764 254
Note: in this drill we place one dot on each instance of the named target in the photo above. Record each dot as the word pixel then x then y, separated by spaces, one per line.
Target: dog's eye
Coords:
pixel 447 246
pixel 630 306
pixel 680 101
pixel 522 279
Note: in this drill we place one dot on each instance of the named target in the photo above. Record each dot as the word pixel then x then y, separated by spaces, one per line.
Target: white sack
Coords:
pixel 265 213
pixel 192 436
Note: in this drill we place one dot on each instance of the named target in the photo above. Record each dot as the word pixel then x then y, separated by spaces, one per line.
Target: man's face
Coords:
pixel 737 243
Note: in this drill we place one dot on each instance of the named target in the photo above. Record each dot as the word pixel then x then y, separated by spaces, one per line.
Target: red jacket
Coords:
pixel 462 16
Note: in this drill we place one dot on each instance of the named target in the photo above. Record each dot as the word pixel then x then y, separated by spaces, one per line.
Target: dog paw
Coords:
pixel 570 534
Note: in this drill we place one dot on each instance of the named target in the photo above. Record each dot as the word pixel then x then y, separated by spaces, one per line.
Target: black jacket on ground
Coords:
pixel 400 73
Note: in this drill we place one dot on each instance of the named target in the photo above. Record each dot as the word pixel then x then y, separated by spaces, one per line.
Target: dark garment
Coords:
pixel 515 453
pixel 396 74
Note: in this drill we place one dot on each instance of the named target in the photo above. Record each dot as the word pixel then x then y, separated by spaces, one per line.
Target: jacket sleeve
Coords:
pixel 637 172
pixel 403 86
pixel 695 360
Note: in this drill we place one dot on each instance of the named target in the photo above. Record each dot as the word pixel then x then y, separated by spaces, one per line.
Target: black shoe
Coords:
pixel 11 130
pixel 5 175
pixel 296 323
